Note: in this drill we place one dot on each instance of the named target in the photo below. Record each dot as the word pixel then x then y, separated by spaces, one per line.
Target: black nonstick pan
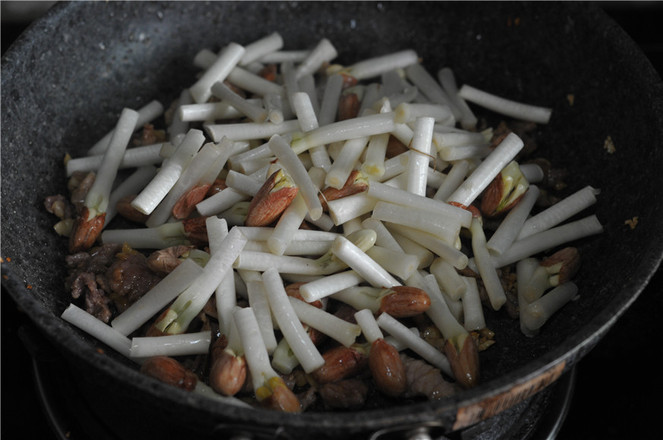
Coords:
pixel 66 79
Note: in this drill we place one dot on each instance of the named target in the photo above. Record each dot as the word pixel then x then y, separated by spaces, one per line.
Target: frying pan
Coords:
pixel 66 79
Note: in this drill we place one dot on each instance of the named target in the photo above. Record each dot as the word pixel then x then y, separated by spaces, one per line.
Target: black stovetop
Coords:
pixel 615 383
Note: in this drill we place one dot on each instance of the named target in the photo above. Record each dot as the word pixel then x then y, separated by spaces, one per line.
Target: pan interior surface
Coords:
pixel 67 78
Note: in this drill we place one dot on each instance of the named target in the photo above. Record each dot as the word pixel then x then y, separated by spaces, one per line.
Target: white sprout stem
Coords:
pixel 255 352
pixel 420 219
pixel 294 248
pixel 288 223
pixel 548 239
pixel 171 345
pixel 250 130
pixel 96 328
pixel 189 178
pixel 454 178
pixel 508 230
pixel 160 237
pixel 261 261
pixel 532 172
pixel 220 202
pixel 252 111
pixel 157 297
pixel 376 66
pixel 560 211
pixel 273 104
pixel 304 111
pixel 330 97
pixel 336 328
pixel 473 317
pixel 359 297
pixel 507 107
pixel 252 83
pixel 369 326
pixel 259 48
pixel 262 233
pixel 132 157
pixel 329 285
pixel 373 164
pixel 169 173
pixel 129 186
pixel 260 305
pixel 229 57
pixel 280 56
pixel 322 53
pixel 243 183
pixel 420 155
pixel 396 263
pixel 414 343
pixel 491 166
pixel 439 247
pixel 538 312
pixel 190 302
pixel 308 85
pixel 384 237
pixel 98 194
pixel 361 263
pixel 146 114
pixel 371 95
pixel 204 58
pixel 291 327
pixel 487 270
pixel 295 168
pixel 207 111
pixel 424 256
pixel 462 152
pixel 430 88
pixel 283 359
pixel 408 112
pixel 440 313
pixel 525 269
pixel 343 130
pixel 441 210
pixel 345 163
pixel 454 137
pixel 448 81
pixel 448 278
pixel 178 128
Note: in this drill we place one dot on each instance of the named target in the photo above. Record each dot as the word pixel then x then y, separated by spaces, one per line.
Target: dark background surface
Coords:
pixel 618 384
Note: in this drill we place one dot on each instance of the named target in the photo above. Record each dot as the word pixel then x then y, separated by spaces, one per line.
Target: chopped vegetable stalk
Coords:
pixel 338 329
pixel 250 130
pixel 512 224
pixel 491 280
pixel 169 173
pixel 147 113
pixel 430 88
pixel 299 175
pixel 261 47
pixel 171 345
pixel 330 97
pixel 132 158
pixel 157 298
pixel 448 278
pixel 560 211
pixel 507 107
pixel 397 263
pixel 368 324
pixel 439 247
pixel 322 53
pixel 448 81
pixel 192 300
pixel 423 220
pixel 345 163
pixel 229 57
pixel 548 239
pixel 414 342
pixel 207 111
pixel 260 305
pixel 383 236
pixel 328 285
pixel 293 331
pixel 252 111
pixel 453 180
pixel 420 155
pixel 161 237
pixel 347 208
pixel 96 328
pixel 254 84
pixel 481 177
pixel 473 317
pixel 535 314
pixel 361 263
pixel 376 66
pixel 129 186
pixel 283 359
pixel 267 384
